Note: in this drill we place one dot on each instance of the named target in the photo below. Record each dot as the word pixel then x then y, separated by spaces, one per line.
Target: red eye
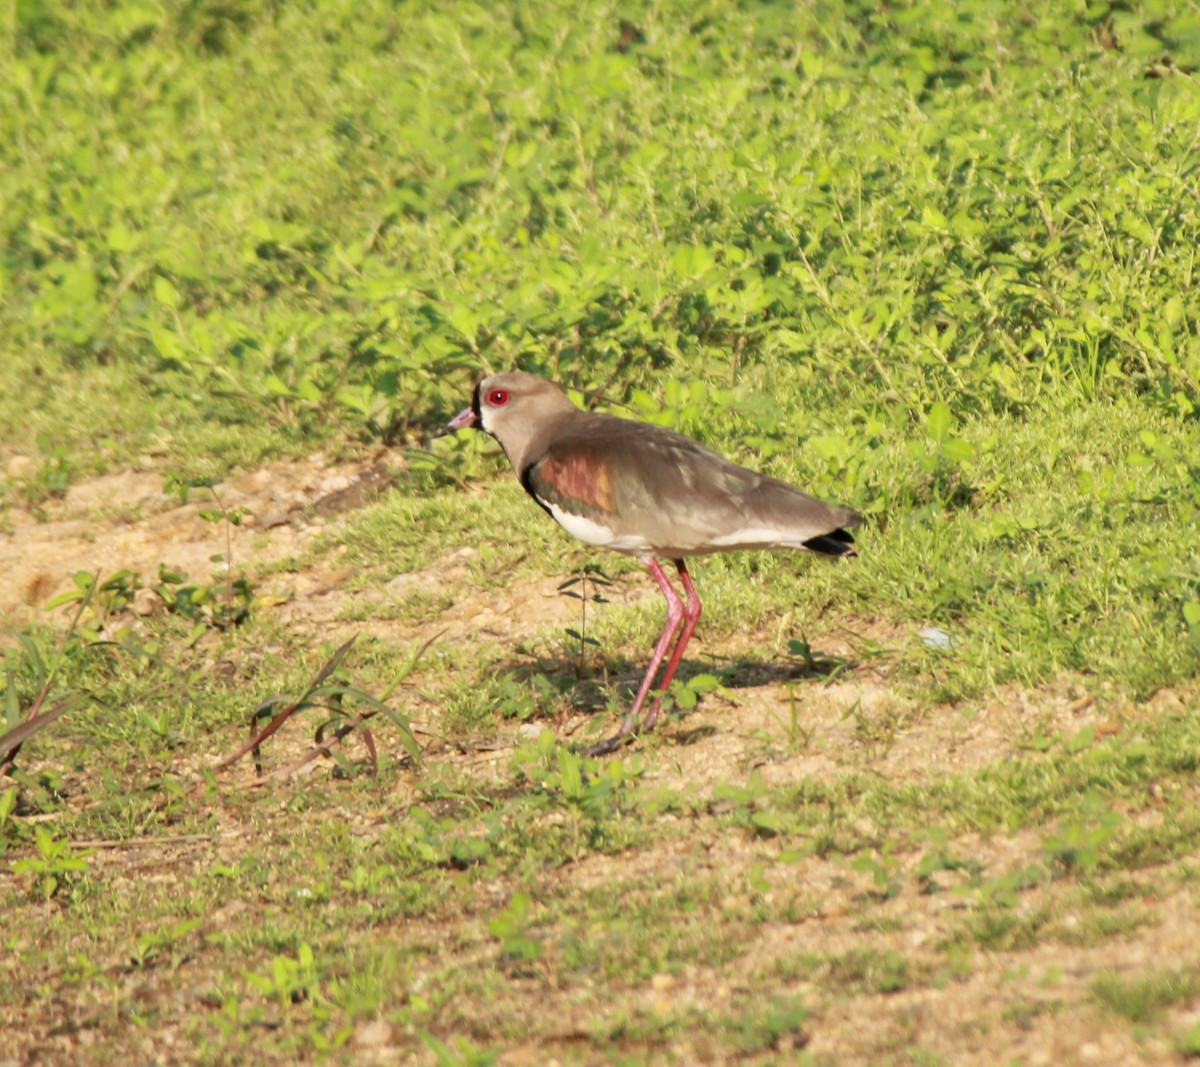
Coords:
pixel 498 397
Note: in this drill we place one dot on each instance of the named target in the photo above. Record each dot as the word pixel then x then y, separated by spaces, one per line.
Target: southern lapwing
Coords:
pixel 649 492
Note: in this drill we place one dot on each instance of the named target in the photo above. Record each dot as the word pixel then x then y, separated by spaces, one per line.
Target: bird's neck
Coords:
pixel 526 449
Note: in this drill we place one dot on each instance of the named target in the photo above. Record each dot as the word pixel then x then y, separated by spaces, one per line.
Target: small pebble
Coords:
pixel 935 638
pixel 373 1034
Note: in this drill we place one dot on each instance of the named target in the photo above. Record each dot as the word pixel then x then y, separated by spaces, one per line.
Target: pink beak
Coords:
pixel 461 421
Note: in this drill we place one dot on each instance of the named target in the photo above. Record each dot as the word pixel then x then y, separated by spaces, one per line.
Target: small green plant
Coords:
pixel 166 943
pixel 535 759
pixel 799 647
pixel 589 800
pixel 938 858
pixel 751 807
pixel 48 704
pixel 819 665
pixel 208 606
pixel 512 928
pixel 8 804
pixel 367 881
pixel 866 968
pixel 1143 998
pixel 883 870
pixel 159 724
pixel 337 697
pixel 1078 845
pixel 57 864
pixel 101 604
pixel 1003 891
pixel 238 594
pixel 292 980
pixel 778 1026
pixel 875 729
pixel 796 737
pixel 686 694
pixel 893 973
pixel 1188 1042
pixel 590 582
pixel 1191 617
pixel 463 1055
pixel 55 468
pixel 941 457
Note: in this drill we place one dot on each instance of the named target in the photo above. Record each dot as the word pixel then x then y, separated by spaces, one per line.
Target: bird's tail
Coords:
pixel 836 543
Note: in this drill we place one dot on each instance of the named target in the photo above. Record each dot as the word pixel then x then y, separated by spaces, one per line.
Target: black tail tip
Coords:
pixel 835 543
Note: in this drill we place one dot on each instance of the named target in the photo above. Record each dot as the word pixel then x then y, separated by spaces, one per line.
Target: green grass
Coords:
pixel 1140 999
pixel 929 261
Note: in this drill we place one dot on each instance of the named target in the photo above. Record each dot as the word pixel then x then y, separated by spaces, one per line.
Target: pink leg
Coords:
pixel 675 615
pixel 691 615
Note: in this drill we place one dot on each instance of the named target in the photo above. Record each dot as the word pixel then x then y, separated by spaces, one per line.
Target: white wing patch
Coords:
pixel 591 532
pixel 759 537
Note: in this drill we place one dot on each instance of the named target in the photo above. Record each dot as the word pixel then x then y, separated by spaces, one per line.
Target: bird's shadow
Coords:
pixel 591 688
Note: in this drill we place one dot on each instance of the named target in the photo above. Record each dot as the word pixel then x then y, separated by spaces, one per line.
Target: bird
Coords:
pixel 649 492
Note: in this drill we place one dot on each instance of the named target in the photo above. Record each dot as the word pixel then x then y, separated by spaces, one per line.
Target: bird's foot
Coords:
pixel 630 728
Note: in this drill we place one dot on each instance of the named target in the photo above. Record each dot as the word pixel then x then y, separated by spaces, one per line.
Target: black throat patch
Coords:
pixel 475 405
pixel 527 485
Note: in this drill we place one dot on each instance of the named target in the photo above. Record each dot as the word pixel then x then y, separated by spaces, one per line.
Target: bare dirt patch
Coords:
pixel 126 521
